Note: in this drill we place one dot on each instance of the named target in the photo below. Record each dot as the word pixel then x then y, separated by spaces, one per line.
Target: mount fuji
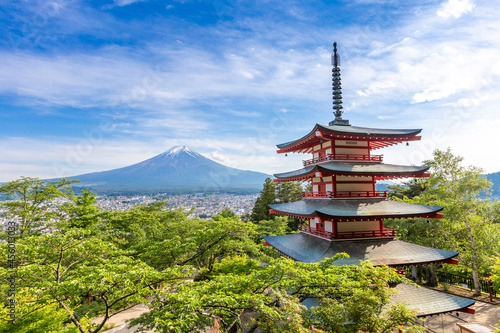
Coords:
pixel 178 170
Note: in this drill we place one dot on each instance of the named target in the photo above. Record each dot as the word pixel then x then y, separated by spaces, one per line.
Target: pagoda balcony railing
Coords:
pixel 327 194
pixel 345 194
pixel 384 233
pixel 343 157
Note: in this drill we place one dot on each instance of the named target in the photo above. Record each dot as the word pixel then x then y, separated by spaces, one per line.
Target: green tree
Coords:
pixel 288 192
pixel 65 269
pixel 267 197
pixel 469 224
pixel 31 200
pixel 410 189
pixel 165 239
pixel 276 193
pixel 230 297
pixel 82 212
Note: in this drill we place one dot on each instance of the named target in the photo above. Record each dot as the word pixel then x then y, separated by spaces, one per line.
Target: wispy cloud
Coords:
pixel 455 8
pixel 235 85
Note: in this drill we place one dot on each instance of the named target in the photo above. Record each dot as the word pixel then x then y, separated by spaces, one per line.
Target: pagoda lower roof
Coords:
pixel 343 168
pixel 341 132
pixel 391 252
pixel 354 208
pixel 429 302
pixel 425 301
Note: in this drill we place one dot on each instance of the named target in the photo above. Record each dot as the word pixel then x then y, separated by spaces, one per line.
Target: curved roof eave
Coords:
pixel 391 252
pixel 355 208
pixel 366 169
pixel 425 301
pixel 354 130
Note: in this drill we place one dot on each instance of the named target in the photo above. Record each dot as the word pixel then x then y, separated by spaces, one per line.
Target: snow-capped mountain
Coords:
pixel 177 169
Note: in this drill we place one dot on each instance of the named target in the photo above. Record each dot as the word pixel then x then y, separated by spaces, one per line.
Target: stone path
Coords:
pixel 486 314
pixel 120 319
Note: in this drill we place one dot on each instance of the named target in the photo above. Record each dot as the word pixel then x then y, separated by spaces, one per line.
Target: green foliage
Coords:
pixel 276 193
pixel 288 192
pixel 66 268
pixel 165 239
pixel 410 189
pixel 82 211
pixel 239 265
pixel 229 297
pixel 278 225
pixel 289 316
pixel 469 224
pixel 267 197
pixel 49 319
pixel 31 200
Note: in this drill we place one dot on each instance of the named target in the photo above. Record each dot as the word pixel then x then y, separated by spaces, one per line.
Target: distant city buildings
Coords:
pixel 204 206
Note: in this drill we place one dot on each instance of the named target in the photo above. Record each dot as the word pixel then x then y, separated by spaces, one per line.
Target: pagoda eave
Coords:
pixel 311 175
pixel 321 133
pixel 391 252
pixel 354 169
pixel 355 218
pixel 356 209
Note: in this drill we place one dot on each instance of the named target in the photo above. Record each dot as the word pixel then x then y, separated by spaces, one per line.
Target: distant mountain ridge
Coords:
pixel 179 169
pixel 495 179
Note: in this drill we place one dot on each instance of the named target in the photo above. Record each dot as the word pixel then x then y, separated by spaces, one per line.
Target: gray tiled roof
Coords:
pixel 392 252
pixel 356 130
pixel 426 301
pixel 356 169
pixel 361 208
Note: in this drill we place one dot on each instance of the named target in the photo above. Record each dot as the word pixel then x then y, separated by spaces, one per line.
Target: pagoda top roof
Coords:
pixel 343 168
pixel 425 301
pixel 355 208
pixel 391 252
pixel 347 132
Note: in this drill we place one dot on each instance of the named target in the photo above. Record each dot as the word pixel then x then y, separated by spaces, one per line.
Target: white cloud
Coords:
pixel 122 3
pixel 455 8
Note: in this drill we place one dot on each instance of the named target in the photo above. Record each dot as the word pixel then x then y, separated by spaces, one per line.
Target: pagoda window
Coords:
pixel 313 223
pixel 354 187
pixel 351 143
pixel 352 151
pixel 358 226
pixel 329 226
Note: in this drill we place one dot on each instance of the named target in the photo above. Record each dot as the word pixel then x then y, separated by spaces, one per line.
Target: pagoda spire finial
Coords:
pixel 337 89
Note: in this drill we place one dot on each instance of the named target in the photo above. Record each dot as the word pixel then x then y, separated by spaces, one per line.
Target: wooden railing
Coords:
pixel 360 194
pixel 327 194
pixel 389 233
pixel 308 230
pixel 345 194
pixel 343 157
pixel 366 234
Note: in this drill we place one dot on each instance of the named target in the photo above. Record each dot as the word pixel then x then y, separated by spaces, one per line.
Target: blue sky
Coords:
pixel 95 85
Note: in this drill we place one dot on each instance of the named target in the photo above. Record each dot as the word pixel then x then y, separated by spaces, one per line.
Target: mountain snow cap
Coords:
pixel 176 150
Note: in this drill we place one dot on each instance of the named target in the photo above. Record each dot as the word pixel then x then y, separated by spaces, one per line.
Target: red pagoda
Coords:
pixel 345 212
